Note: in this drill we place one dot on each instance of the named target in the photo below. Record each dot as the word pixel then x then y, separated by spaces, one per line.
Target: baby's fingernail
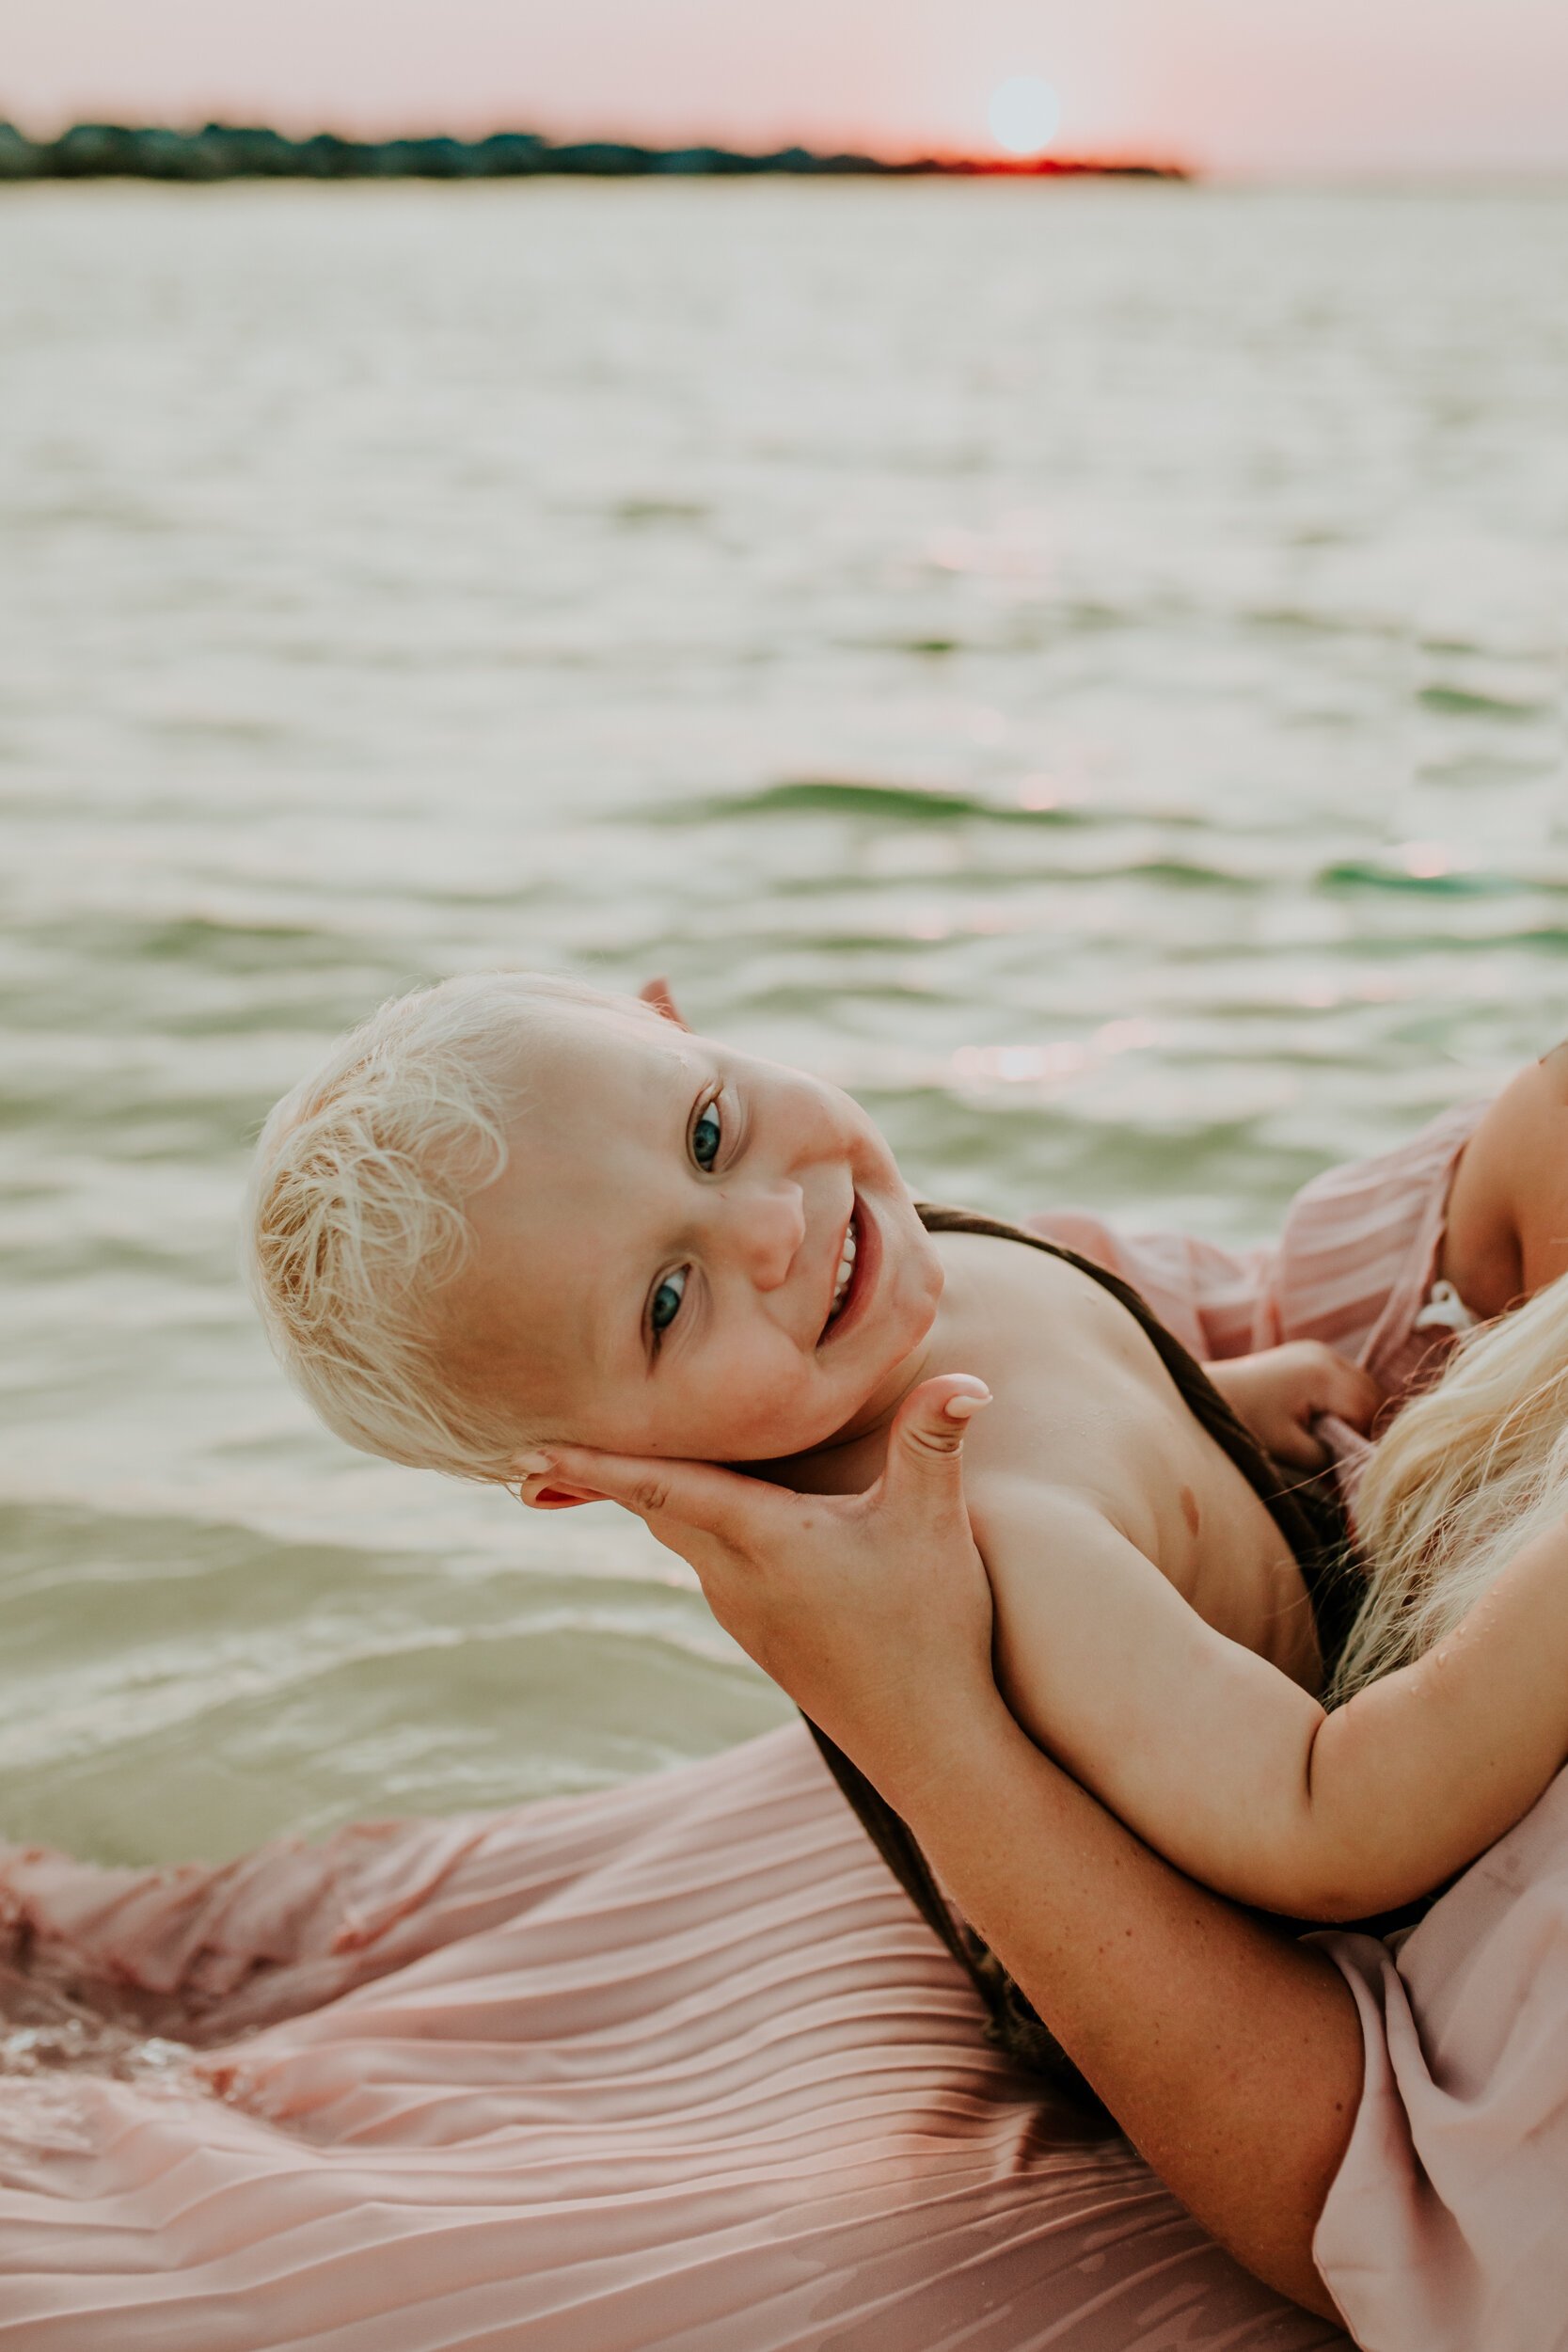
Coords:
pixel 965 1407
pixel 532 1465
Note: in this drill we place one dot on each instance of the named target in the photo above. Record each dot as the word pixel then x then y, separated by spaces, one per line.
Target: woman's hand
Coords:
pixel 872 1610
pixel 1281 1391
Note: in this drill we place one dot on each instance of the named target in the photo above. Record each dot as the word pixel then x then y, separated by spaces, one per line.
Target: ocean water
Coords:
pixel 1083 666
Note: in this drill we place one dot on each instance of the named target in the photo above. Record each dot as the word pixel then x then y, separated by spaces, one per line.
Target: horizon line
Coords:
pixel 220 149
pixel 435 155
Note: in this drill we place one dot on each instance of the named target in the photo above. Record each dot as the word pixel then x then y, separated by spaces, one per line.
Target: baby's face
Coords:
pixel 657 1268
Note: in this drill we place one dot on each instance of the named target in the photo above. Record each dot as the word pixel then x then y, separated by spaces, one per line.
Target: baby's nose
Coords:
pixel 769 1232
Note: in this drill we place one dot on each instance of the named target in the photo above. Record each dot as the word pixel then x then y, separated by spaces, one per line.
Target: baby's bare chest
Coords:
pixel 1081 1393
pixel 1085 1406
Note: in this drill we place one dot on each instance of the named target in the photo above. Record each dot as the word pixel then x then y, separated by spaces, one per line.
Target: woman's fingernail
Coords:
pixel 534 1465
pixel 965 1407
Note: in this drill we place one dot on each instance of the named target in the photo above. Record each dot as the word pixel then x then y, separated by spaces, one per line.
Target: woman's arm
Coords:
pixel 1507 1229
pixel 1235 1773
pixel 1229 2054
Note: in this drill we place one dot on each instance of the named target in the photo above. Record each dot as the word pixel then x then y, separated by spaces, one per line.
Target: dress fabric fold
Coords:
pixel 675 2065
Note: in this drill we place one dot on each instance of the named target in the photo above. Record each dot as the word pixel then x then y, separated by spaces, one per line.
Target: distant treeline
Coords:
pixel 96 151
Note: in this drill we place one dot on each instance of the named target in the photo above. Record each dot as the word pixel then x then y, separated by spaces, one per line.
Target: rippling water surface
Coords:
pixel 1084 667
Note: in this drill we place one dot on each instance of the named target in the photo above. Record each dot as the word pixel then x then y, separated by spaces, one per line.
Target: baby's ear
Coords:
pixel 537 1485
pixel 539 1495
pixel 657 993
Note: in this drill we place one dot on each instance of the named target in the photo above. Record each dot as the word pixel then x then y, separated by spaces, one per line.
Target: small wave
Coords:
pixel 1463 702
pixel 1186 873
pixel 1364 874
pixel 639 514
pixel 1304 621
pixel 254 728
pixel 96 511
pixel 843 796
pixel 236 943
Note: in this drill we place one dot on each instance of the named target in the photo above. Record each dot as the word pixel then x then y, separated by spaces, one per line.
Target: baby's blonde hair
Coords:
pixel 1466 1475
pixel 356 1213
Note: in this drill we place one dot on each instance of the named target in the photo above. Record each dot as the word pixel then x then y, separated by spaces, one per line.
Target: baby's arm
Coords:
pixel 1280 1391
pixel 1229 1769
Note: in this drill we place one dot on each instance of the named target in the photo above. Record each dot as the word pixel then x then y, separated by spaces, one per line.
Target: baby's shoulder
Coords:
pixel 1033 1291
pixel 1072 1370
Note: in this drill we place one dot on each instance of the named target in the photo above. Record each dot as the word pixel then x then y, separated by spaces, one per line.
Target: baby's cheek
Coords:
pixel 758 1432
pixel 757 1417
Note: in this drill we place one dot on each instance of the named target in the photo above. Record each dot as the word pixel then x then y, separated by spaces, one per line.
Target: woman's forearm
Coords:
pixel 1229 2054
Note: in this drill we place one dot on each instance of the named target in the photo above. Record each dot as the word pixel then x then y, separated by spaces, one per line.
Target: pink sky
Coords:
pixel 1286 85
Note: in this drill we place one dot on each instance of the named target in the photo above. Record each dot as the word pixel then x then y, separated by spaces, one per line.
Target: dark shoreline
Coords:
pixel 99 150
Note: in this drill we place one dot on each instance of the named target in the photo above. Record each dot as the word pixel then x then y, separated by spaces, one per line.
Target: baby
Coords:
pixel 512 1215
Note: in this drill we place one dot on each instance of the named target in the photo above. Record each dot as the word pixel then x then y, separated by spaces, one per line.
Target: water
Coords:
pixel 1083 666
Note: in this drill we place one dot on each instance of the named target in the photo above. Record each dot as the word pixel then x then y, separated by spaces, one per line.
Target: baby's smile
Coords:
pixel 846 1274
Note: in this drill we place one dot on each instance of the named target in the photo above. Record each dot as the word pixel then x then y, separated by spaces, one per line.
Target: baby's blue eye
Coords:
pixel 666 1300
pixel 706 1136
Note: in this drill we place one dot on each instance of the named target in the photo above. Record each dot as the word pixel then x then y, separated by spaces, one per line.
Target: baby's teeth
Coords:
pixel 846 1267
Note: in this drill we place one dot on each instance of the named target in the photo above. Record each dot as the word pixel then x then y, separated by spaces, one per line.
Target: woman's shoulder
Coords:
pixel 1507 1233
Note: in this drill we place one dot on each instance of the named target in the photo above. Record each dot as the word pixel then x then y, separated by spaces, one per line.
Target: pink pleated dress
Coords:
pixel 1355 1266
pixel 677 2065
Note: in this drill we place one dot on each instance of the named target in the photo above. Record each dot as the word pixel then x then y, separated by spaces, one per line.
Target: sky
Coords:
pixel 1282 86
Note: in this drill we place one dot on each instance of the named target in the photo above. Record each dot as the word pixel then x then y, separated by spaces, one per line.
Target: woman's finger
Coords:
pixel 925 1468
pixel 671 1498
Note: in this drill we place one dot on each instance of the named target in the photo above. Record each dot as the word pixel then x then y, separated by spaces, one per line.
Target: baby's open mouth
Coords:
pixel 846 1277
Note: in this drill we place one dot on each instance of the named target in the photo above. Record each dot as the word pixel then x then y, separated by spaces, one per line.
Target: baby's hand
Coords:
pixel 1280 1391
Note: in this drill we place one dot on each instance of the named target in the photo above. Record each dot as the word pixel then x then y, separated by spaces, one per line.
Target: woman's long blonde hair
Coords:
pixel 1465 1476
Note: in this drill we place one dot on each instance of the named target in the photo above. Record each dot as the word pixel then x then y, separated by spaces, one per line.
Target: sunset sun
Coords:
pixel 1024 114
